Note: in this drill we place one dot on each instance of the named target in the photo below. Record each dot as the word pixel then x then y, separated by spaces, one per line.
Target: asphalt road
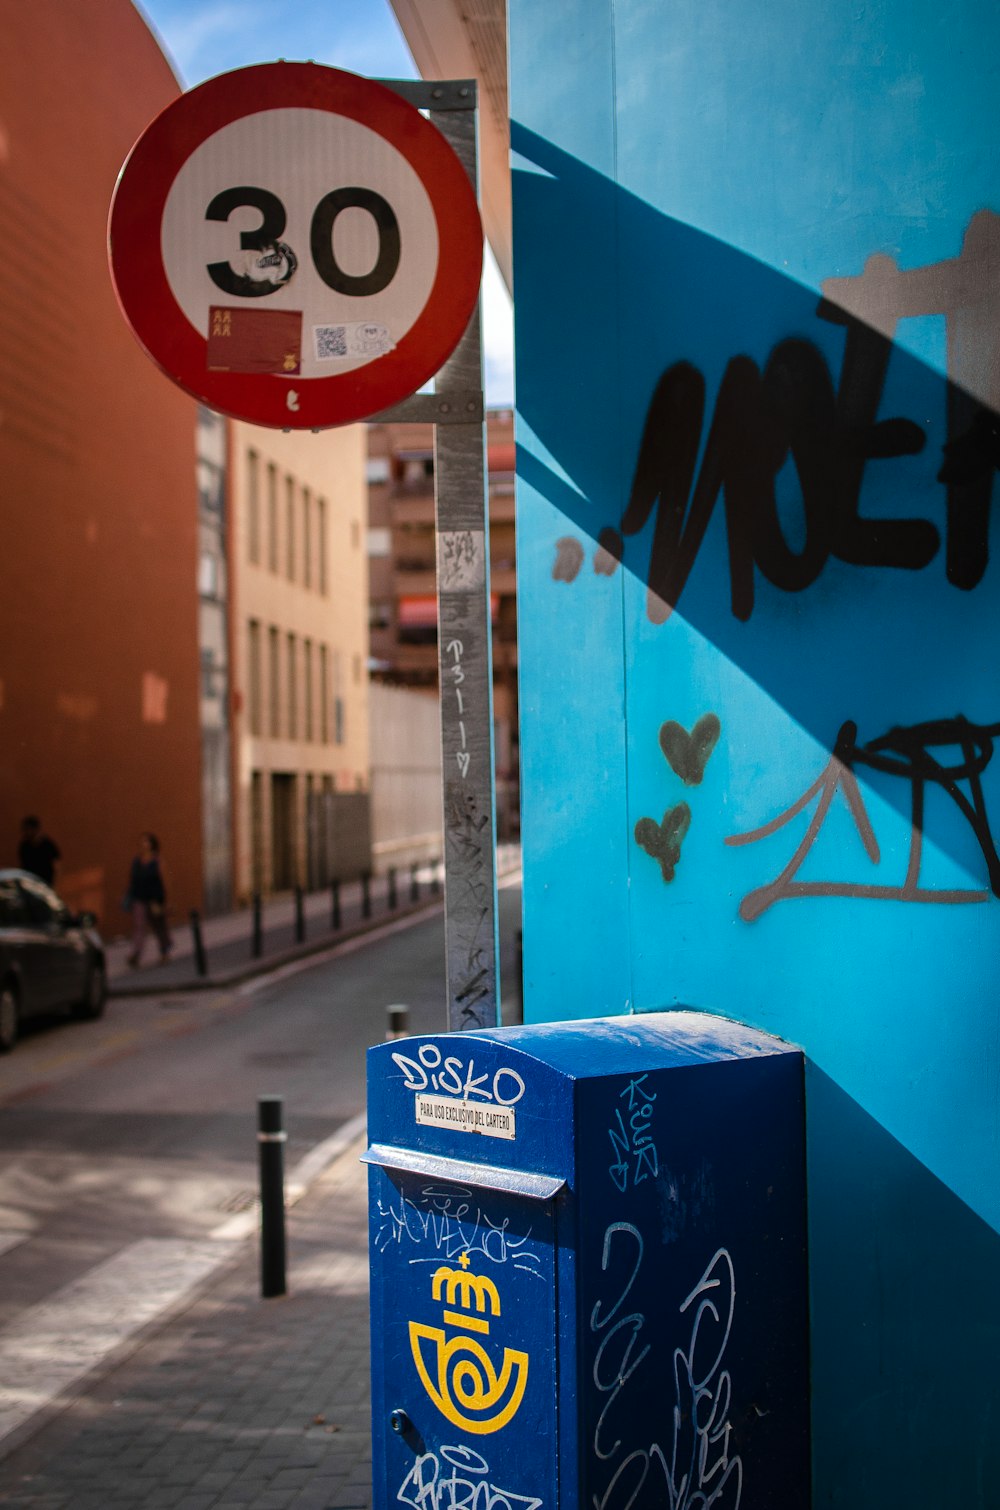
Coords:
pixel 143 1125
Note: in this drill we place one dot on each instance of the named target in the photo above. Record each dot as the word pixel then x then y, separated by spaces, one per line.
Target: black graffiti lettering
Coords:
pixel 962 290
pixel 790 411
pixel 761 420
pixel 909 754
pixel 970 460
pixel 859 438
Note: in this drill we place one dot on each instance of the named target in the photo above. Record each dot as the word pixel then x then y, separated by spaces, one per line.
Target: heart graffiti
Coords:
pixel 663 840
pixel 687 754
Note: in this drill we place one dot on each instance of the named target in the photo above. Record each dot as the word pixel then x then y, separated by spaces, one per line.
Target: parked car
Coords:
pixel 50 957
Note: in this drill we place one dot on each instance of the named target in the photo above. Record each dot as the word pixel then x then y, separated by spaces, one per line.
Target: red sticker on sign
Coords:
pixel 254 340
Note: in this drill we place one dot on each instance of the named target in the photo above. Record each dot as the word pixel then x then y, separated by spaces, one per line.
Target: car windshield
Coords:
pixel 13 910
pixel 41 904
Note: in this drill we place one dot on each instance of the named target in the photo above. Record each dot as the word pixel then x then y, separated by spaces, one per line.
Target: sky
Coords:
pixel 206 37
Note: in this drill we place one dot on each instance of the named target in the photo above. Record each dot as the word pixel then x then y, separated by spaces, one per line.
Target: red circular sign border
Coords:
pixel 164 331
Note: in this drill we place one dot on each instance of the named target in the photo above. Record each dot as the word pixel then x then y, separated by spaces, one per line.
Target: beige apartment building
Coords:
pixel 300 642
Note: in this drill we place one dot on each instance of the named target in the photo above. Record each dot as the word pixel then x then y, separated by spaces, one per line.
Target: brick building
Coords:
pixel 99 633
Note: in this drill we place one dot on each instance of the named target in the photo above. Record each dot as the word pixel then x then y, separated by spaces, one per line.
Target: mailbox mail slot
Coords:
pixel 588 1268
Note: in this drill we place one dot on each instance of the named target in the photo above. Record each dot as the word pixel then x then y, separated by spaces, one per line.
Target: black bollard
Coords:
pixel 366 895
pixel 300 917
pixel 200 957
pixel 393 899
pixel 257 935
pixel 397 1018
pixel 271 1139
pixel 414 883
pixel 335 904
pixel 435 876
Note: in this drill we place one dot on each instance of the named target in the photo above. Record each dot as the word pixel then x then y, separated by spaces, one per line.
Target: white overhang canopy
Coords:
pixel 452 40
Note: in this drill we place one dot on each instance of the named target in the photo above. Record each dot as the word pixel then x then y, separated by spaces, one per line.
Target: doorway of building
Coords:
pixel 257 831
pixel 283 876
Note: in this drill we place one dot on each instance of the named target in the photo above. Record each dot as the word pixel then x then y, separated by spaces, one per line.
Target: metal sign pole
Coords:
pixel 466 664
pixel 465 660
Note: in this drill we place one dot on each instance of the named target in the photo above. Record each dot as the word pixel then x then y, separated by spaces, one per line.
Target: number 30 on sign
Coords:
pixel 295 246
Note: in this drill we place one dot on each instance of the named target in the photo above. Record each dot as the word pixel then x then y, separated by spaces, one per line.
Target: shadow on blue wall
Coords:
pixel 684 375
pixel 746 468
pixel 906 1403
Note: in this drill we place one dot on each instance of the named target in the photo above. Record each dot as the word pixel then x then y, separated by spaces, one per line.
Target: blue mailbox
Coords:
pixel 588 1268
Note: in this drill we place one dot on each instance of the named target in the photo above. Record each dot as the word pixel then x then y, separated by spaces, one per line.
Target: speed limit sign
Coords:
pixel 295 245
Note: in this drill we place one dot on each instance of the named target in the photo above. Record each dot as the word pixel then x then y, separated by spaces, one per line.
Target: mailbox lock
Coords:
pixel 400 1422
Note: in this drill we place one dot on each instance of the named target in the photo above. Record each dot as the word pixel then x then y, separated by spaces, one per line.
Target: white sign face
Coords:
pixel 465 1116
pixel 360 273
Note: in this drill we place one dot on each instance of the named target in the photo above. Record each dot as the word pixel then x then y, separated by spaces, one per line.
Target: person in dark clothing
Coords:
pixel 147 900
pixel 36 852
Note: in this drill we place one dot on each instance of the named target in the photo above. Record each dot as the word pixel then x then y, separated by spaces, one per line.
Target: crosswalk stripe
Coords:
pixel 54 1344
pixel 11 1239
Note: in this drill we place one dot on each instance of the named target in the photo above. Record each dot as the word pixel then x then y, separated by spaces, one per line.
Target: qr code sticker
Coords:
pixel 331 342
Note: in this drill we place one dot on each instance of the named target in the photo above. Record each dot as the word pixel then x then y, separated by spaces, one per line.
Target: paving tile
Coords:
pixel 216 1409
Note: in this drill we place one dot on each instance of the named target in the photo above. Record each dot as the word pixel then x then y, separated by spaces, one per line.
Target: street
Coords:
pixel 129 1145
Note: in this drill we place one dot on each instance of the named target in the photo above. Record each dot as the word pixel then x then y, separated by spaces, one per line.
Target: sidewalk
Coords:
pixel 228 940
pixel 234 1403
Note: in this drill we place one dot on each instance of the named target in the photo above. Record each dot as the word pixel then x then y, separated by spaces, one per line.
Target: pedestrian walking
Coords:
pixel 36 852
pixel 146 900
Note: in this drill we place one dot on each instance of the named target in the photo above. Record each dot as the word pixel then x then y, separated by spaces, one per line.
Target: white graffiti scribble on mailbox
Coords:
pixel 451 1076
pixel 457 1478
pixel 635 1142
pixel 449 1222
pixel 700 1473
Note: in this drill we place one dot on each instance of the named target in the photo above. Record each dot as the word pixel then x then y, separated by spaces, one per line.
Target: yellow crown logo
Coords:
pixel 457 1372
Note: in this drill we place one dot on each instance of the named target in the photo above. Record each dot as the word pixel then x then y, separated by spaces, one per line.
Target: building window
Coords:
pixel 290 528
pixel 254 670
pixel 379 542
pixel 377 469
pixel 416 471
pixel 293 701
pixel 272 516
pixel 208 575
pixel 307 677
pixel 253 506
pixel 321 543
pixel 211 487
pixel 339 721
pixel 307 572
pixel 324 694
pixel 274 682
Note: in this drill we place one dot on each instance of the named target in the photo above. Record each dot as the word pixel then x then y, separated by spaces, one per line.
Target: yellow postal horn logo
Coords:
pixel 455 1369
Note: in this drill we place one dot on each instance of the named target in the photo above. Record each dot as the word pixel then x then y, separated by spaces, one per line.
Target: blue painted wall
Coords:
pixel 757 296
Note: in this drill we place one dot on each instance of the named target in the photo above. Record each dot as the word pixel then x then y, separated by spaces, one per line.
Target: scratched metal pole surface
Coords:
pixel 465 659
pixel 465 663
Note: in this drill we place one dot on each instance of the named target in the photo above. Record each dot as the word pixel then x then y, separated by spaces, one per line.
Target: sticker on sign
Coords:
pixel 349 342
pixel 308 193
pixel 465 1116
